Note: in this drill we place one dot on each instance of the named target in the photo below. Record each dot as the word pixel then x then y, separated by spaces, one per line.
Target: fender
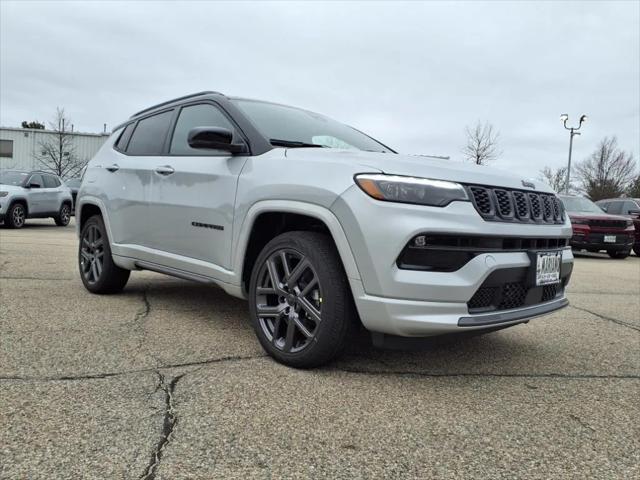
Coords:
pixel 321 213
pixel 18 199
pixel 96 202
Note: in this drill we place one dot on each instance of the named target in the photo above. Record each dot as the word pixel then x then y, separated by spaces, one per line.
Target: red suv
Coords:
pixel 627 207
pixel 595 230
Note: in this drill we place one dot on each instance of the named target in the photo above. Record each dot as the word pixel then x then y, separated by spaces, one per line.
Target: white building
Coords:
pixel 20 148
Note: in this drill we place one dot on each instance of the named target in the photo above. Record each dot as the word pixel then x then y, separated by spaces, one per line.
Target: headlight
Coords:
pixel 629 222
pixel 579 221
pixel 421 191
pixel 3 194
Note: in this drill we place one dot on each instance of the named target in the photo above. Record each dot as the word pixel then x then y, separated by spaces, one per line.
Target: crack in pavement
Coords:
pixel 98 376
pixel 611 319
pixel 170 420
pixel 409 373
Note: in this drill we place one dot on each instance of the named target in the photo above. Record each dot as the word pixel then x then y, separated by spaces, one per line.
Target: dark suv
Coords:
pixel 627 207
pixel 595 230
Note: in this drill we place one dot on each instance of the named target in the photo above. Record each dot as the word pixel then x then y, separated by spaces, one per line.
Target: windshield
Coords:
pixel 13 178
pixel 580 205
pixel 73 182
pixel 294 127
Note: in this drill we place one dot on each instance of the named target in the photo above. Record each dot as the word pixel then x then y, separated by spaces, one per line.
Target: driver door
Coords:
pixel 192 195
pixel 36 195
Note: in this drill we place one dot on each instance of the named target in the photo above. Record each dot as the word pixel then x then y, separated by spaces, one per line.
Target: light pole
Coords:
pixel 572 131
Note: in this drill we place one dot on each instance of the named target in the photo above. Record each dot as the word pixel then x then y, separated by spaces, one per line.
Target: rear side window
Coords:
pixel 50 181
pixel 628 207
pixel 149 135
pixel 204 115
pixel 615 208
pixel 121 144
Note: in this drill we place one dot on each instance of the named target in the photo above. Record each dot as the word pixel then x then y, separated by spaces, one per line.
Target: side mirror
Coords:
pixel 34 185
pixel 214 138
pixel 634 212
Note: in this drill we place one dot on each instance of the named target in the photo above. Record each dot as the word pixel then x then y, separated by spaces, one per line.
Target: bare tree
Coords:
pixel 555 178
pixel 608 172
pixel 57 154
pixel 482 143
pixel 633 190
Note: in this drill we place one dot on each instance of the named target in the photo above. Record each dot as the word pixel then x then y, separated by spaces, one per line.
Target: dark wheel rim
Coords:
pixel 288 300
pixel 18 215
pixel 65 214
pixel 92 254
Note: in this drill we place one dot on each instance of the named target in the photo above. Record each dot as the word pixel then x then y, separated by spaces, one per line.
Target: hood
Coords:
pixel 418 166
pixel 595 216
pixel 11 188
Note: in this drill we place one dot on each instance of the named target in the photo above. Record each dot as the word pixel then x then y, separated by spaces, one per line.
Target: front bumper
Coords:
pixel 593 241
pixel 423 303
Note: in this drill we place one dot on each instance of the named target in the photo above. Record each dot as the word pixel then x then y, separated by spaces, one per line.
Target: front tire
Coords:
pixel 98 272
pixel 16 216
pixel 299 299
pixel 64 215
pixel 619 254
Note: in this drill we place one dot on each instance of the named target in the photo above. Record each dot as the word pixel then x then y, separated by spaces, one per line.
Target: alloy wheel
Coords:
pixel 65 214
pixel 18 215
pixel 92 254
pixel 288 300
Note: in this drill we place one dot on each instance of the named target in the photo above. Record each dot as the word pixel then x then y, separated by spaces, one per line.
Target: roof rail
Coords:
pixel 206 92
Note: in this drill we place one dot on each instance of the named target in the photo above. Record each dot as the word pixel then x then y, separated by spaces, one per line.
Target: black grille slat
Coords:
pixel 549 292
pixel 483 298
pixel 505 207
pixel 513 295
pixel 508 205
pixel 521 205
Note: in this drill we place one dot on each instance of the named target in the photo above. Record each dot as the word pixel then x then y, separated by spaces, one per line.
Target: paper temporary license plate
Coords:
pixel 609 239
pixel 548 268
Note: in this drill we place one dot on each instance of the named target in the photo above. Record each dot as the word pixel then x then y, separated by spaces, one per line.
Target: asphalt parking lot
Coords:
pixel 167 380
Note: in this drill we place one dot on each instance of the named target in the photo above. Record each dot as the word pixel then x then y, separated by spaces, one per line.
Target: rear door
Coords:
pixel 135 154
pixel 51 197
pixel 193 192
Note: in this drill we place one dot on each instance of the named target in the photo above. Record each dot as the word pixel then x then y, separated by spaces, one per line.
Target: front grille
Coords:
pixel 508 205
pixel 608 223
pixel 549 292
pixel 483 298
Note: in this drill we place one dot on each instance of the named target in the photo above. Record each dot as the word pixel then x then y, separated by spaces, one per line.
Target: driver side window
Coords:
pixel 36 180
pixel 203 115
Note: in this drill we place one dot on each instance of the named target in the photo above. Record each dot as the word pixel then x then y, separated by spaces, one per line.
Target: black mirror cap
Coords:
pixel 33 185
pixel 214 138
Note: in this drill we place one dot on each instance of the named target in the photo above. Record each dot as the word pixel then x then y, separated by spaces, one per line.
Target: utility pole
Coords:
pixel 572 131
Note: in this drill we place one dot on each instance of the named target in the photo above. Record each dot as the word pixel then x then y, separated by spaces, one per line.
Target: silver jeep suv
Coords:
pixel 33 195
pixel 319 226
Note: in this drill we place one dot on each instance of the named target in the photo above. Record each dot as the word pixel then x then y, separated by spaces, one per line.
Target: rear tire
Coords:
pixel 16 216
pixel 98 272
pixel 64 215
pixel 299 299
pixel 619 254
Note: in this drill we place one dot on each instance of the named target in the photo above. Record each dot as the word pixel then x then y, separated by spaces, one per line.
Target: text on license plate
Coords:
pixel 548 268
pixel 610 239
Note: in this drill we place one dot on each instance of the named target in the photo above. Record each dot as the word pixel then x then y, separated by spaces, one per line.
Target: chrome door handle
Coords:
pixel 165 170
pixel 113 168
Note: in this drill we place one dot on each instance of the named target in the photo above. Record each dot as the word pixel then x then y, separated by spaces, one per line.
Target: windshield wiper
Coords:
pixel 293 144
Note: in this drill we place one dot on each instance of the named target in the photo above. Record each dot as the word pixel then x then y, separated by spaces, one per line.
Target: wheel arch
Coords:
pixel 267 219
pixel 23 201
pixel 86 208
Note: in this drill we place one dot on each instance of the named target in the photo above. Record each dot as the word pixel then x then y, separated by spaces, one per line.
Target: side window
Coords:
pixel 121 144
pixel 603 205
pixel 36 179
pixel 149 136
pixel 615 208
pixel 204 115
pixel 628 206
pixel 50 181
